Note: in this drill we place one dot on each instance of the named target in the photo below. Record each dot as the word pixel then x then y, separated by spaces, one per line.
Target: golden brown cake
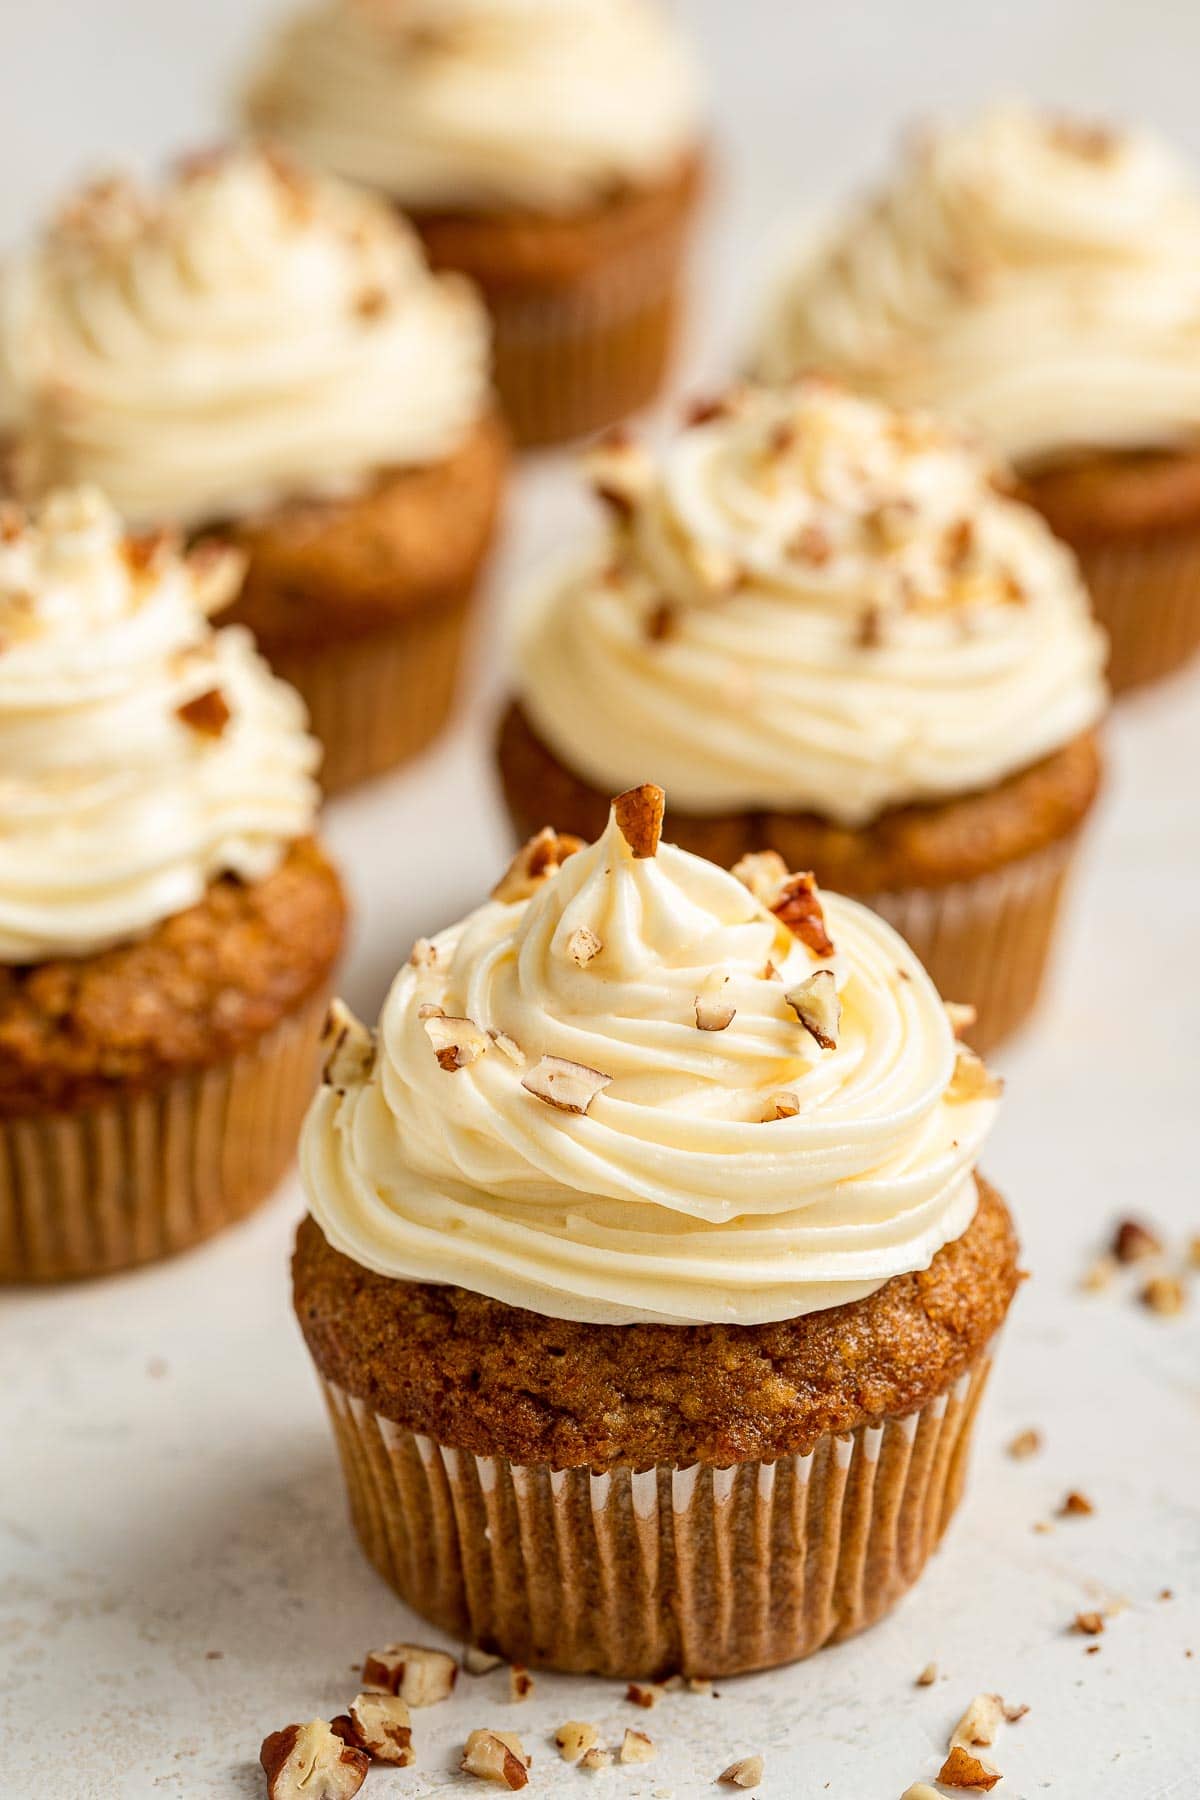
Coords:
pixel 340 432
pixel 1038 278
pixel 168 926
pixel 834 636
pixel 649 1278
pixel 551 154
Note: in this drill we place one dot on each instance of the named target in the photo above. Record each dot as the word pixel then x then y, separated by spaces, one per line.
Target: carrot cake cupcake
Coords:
pixel 263 357
pixel 833 637
pixel 551 152
pixel 649 1276
pixel 1039 279
pixel 168 926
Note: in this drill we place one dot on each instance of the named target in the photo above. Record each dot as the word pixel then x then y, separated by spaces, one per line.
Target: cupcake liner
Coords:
pixel 1146 594
pixel 988 940
pixel 377 699
pixel 144 1175
pixel 570 360
pixel 644 1573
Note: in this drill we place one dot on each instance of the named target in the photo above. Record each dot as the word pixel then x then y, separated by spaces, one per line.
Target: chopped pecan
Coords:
pixel 419 1675
pixel 496 1756
pixel 207 714
pixel 542 856
pixel 383 1727
pixel 816 1004
pixel 798 906
pixel 569 1086
pixel 310 1762
pixel 347 1046
pixel 639 813
pixel 962 1770
pixel 457 1043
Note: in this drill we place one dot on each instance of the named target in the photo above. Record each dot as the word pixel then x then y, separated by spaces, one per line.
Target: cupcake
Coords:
pixel 551 152
pixel 648 1275
pixel 263 358
pixel 168 926
pixel 830 634
pixel 1039 279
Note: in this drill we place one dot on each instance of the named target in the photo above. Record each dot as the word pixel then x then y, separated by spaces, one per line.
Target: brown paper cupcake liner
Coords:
pixel 571 360
pixel 377 699
pixel 140 1177
pixel 644 1573
pixel 1146 594
pixel 987 941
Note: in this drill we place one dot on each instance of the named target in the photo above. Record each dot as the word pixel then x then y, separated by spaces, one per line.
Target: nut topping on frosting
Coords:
pixel 672 1204
pixel 542 856
pixel 457 1043
pixel 347 1046
pixel 569 1086
pixel 798 907
pixel 583 946
pixel 207 713
pixel 639 815
pixel 972 1079
pixel 815 1003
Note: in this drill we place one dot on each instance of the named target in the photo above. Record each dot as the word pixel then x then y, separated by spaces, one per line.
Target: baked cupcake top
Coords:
pixel 483 105
pixel 633 1086
pixel 243 335
pixel 811 603
pixel 142 754
pixel 1037 278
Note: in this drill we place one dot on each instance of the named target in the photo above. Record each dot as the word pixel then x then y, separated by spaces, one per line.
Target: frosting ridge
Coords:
pixel 711 1171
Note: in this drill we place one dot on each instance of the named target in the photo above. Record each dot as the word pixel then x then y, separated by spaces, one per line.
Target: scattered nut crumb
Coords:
pixel 744 1774
pixel 574 1738
pixel 419 1675
pixel 980 1723
pixel 962 1770
pixel 1014 1714
pixel 699 1684
pixel 1026 1443
pixel 569 1086
pixel 639 813
pixel 480 1662
pixel 636 1747
pixel 383 1728
pixel 520 1683
pixel 1090 1623
pixel 1099 1275
pixel 1092 1650
pixel 644 1693
pixel 507 1047
pixel 310 1760
pixel 496 1756
pixel 961 1015
pixel 920 1790
pixel 1164 1594
pixel 1193 1252
pixel 781 1106
pixel 1075 1506
pixel 596 1758
pixel 620 472
pixel 1135 1242
pixel 928 1675
pixel 972 1079
pixel 1165 1295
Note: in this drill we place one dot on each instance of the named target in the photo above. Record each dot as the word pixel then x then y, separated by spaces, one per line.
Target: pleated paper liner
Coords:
pixel 572 360
pixel 1146 594
pixel 143 1176
pixel 378 699
pixel 645 1573
pixel 988 940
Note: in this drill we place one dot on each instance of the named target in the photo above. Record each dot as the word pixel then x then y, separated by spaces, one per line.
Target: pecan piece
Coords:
pixel 421 1676
pixel 817 1006
pixel 639 813
pixel 206 714
pixel 569 1086
pixel 496 1756
pixel 310 1762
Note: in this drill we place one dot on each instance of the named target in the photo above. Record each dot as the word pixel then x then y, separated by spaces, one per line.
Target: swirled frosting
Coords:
pixel 811 603
pixel 1037 279
pixel 482 104
pixel 142 754
pixel 243 336
pixel 686 1191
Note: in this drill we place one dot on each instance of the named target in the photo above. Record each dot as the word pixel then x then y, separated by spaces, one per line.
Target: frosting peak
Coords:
pixel 636 1094
pixel 246 334
pixel 482 104
pixel 811 603
pixel 1035 277
pixel 142 754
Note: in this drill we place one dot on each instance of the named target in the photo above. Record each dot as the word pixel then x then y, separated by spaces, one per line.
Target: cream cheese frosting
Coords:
pixel 1035 278
pixel 738 1173
pixel 479 105
pixel 811 603
pixel 142 754
pixel 245 335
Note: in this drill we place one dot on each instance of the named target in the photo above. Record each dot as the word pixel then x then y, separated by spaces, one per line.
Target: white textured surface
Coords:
pixel 167 1488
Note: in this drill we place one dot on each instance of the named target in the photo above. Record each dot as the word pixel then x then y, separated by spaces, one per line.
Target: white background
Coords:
pixel 167 1488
